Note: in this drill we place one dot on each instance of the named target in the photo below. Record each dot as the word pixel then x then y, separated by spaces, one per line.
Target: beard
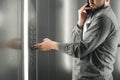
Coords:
pixel 94 9
pixel 98 7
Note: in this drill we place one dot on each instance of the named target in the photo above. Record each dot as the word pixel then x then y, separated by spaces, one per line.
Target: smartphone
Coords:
pixel 89 10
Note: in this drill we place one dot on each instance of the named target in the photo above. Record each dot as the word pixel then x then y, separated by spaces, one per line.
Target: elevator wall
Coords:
pixel 52 19
pixel 10 33
pixel 116 74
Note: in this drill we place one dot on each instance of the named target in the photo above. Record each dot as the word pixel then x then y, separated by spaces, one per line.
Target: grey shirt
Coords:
pixel 96 46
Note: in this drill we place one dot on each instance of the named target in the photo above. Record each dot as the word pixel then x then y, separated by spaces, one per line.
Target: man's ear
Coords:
pixel 107 2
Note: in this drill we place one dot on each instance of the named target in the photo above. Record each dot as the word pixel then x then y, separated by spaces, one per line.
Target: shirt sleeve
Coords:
pixel 101 27
pixel 75 37
pixel 77 34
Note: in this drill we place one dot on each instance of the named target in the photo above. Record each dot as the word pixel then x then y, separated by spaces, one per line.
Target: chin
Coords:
pixel 93 8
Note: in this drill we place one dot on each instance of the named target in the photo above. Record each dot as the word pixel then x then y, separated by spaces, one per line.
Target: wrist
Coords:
pixel 54 45
pixel 79 24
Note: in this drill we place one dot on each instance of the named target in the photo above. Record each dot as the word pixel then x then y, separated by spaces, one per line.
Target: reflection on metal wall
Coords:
pixel 10 35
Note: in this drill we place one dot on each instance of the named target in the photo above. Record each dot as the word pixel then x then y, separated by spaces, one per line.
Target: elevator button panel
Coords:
pixel 32 41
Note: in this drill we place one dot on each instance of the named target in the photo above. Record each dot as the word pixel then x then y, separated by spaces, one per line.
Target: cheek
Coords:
pixel 98 3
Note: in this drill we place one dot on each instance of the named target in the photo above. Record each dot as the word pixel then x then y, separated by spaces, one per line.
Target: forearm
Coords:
pixel 71 48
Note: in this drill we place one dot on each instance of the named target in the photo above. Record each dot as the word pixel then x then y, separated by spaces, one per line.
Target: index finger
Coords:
pixel 84 6
pixel 38 44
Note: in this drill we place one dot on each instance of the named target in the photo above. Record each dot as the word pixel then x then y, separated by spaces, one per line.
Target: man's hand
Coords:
pixel 46 45
pixel 12 43
pixel 82 15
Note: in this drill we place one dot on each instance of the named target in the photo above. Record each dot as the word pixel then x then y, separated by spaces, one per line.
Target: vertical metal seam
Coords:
pixel 48 34
pixel 37 42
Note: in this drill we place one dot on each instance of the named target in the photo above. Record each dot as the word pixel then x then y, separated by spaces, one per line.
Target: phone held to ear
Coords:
pixel 89 10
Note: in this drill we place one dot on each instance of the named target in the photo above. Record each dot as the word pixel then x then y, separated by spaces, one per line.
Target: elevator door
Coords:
pixel 10 37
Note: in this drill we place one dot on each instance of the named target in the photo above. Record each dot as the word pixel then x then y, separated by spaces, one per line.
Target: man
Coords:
pixel 95 43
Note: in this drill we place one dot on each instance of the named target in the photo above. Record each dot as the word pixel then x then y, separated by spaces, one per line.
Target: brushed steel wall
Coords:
pixel 116 74
pixel 10 29
pixel 52 22
pixel 32 39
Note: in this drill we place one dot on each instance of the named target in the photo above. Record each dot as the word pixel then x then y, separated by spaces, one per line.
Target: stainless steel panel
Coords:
pixel 116 74
pixel 32 39
pixel 51 21
pixel 10 34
